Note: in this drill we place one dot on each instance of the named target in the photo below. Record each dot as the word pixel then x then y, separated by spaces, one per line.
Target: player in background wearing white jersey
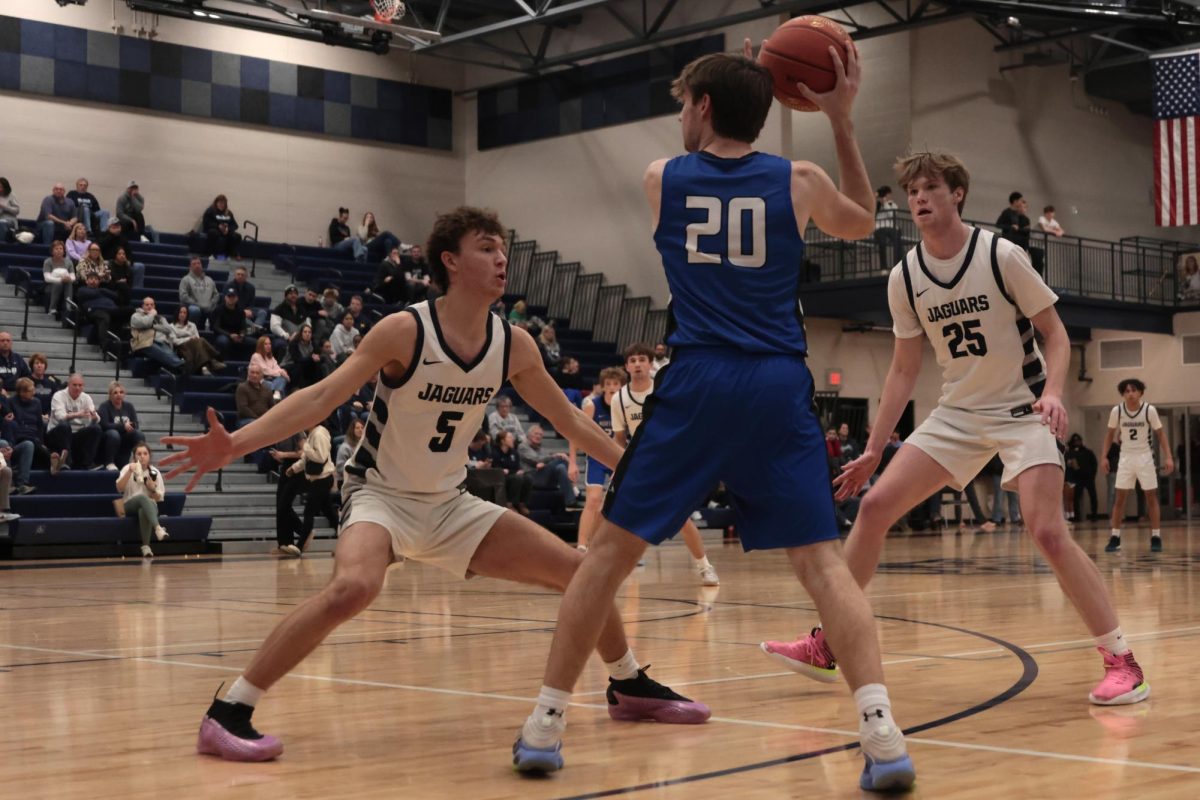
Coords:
pixel 1131 423
pixel 627 416
pixel 599 408
pixel 978 317
pixel 403 500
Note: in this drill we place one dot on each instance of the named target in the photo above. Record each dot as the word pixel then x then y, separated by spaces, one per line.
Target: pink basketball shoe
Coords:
pixel 808 655
pixel 1123 681
pixel 226 731
pixel 641 698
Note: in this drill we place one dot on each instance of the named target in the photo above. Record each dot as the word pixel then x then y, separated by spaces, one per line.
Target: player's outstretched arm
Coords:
pixel 1057 347
pixel 300 410
pixel 534 384
pixel 897 389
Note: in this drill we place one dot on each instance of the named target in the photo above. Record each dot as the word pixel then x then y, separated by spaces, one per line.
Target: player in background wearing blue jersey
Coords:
pixel 727 221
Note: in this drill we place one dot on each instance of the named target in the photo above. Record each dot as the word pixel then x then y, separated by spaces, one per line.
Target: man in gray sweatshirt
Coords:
pixel 130 209
pixel 198 292
pixel 57 215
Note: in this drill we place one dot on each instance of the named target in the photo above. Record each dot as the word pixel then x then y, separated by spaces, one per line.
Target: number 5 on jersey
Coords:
pixel 968 331
pixel 441 444
pixel 732 219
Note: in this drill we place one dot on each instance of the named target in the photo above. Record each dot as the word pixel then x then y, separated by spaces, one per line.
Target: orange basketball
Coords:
pixel 798 52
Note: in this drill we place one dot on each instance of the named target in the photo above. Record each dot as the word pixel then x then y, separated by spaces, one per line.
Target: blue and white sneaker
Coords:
pixel 536 760
pixel 887 776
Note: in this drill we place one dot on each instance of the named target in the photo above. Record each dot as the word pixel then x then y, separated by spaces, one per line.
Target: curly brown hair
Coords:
pixel 448 232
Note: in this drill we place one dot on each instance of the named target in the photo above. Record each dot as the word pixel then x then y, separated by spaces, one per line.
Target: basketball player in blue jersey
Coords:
pixel 439 363
pixel 599 408
pixel 978 301
pixel 727 221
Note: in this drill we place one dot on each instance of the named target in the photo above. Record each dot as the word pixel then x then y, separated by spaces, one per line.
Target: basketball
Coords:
pixel 798 52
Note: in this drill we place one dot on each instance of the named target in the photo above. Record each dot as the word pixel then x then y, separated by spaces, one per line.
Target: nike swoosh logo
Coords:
pixel 427 362
pixel 923 291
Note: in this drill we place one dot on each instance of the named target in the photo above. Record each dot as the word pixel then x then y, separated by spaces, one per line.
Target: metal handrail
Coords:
pixel 71 317
pixel 24 286
pixel 254 252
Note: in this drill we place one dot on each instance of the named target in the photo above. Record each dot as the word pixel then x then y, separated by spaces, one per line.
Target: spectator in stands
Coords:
pixel 28 427
pixel 58 273
pixel 90 213
pixel 390 285
pixel 354 435
pixel 112 238
pixel 219 226
pixel 479 451
pixel 252 397
pixel 887 228
pixel 197 354
pixel 44 385
pixel 519 314
pixel 303 359
pixel 119 421
pixel 344 338
pixel 378 243
pixel 142 488
pixel 246 294
pixel 661 359
pixel 92 263
pixel 100 306
pixel 198 292
pixel 6 479
pixel 229 324
pixel 362 323
pixel 10 210
pixel 551 350
pixel 327 363
pixel 77 243
pixel 889 452
pixel 517 482
pixel 123 276
pixel 549 471
pixel 570 381
pixel 359 406
pixel 329 314
pixel 275 376
pixel 310 305
pixel 341 238
pixel 502 419
pixel 420 285
pixel 287 522
pixel 74 426
pixel 850 448
pixel 1082 466
pixel 316 466
pixel 57 215
pixel 286 318
pixel 151 336
pixel 1013 223
pixel 1048 224
pixel 130 210
pixel 12 366
pixel 1189 281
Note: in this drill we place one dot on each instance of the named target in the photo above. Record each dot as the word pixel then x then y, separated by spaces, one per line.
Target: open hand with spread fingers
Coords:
pixel 203 453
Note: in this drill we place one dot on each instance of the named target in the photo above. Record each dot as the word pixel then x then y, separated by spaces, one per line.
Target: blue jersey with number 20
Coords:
pixel 729 243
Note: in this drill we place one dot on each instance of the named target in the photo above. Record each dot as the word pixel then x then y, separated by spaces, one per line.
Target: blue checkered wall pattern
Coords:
pixel 78 64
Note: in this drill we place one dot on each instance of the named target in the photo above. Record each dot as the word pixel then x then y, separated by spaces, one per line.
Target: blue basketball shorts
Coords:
pixel 720 415
pixel 597 473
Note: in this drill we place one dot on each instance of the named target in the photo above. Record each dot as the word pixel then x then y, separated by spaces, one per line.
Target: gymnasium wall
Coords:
pixel 289 183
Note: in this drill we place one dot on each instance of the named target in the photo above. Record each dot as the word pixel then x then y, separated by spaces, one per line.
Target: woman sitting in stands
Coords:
pixel 58 273
pixel 197 354
pixel 44 384
pixel 274 375
pixel 77 243
pixel 518 484
pixel 379 243
pixel 303 360
pixel 346 448
pixel 119 420
pixel 142 488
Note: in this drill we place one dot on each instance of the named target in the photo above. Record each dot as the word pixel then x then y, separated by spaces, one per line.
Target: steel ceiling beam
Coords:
pixel 549 15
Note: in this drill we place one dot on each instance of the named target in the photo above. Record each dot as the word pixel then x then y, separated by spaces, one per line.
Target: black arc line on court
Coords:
pixel 1029 674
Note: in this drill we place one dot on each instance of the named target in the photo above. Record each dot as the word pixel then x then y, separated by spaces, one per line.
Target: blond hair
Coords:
pixel 931 166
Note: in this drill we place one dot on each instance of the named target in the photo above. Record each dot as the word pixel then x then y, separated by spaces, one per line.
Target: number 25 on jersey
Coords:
pixel 731 219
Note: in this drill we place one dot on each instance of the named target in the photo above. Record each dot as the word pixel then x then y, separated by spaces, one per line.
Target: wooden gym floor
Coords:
pixel 106 668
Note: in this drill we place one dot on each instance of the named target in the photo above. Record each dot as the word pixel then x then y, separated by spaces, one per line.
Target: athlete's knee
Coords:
pixel 873 513
pixel 346 595
pixel 1050 537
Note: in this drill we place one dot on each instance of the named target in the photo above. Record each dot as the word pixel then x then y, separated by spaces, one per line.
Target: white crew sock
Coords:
pixel 1156 533
pixel 1116 533
pixel 701 563
pixel 881 737
pixel 1114 642
pixel 544 727
pixel 623 668
pixel 244 692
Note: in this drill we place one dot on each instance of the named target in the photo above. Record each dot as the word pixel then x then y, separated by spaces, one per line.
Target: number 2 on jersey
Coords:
pixel 967 332
pixel 711 226
pixel 441 444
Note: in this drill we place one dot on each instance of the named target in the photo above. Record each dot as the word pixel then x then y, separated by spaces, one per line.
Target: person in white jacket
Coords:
pixel 58 271
pixel 317 467
pixel 142 489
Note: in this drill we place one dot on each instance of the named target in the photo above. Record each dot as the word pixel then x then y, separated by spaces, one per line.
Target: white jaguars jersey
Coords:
pixel 628 408
pixel 419 427
pixel 975 310
pixel 1134 430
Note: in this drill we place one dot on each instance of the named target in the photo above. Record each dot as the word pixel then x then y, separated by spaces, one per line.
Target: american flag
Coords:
pixel 1176 106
